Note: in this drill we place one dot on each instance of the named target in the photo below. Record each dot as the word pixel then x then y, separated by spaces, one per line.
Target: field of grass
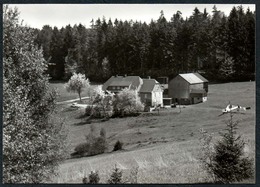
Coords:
pixel 164 146
pixel 64 95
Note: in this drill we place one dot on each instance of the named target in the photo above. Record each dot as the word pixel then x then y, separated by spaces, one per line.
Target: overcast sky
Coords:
pixel 60 15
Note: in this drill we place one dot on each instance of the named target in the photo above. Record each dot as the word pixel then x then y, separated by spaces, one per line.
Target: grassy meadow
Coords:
pixel 63 95
pixel 165 147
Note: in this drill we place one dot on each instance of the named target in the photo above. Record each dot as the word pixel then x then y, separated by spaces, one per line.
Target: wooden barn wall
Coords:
pixel 197 86
pixel 179 88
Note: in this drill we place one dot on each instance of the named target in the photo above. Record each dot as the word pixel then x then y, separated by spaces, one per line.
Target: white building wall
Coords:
pixel 157 97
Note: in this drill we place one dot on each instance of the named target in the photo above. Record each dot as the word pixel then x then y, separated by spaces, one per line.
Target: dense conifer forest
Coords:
pixel 221 47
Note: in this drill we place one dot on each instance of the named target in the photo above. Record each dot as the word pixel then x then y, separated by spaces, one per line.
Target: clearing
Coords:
pixel 164 146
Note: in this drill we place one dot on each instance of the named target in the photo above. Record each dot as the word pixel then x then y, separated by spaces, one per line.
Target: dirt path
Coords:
pixel 70 101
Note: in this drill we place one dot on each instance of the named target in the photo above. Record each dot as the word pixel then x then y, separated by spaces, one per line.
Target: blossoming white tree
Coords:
pixel 77 84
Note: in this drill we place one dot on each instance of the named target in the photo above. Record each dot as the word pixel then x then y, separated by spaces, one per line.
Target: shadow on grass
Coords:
pixel 75 155
pixel 90 120
pixel 69 109
pixel 82 116
pixel 82 123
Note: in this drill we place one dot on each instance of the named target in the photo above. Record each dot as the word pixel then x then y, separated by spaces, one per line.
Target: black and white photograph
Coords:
pixel 129 93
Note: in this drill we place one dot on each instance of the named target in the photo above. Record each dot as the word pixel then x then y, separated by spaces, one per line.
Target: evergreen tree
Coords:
pixel 115 177
pixel 228 163
pixel 183 43
pixel 250 43
pixel 226 69
pixel 57 53
pixel 43 40
pixel 160 48
pixel 93 178
pixel 218 45
pixel 200 38
pixel 233 40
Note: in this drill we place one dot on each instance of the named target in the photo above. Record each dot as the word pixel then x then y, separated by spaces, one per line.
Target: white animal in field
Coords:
pixel 234 108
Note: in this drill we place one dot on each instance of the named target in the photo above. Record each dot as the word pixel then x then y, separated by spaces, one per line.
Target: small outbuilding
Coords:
pixel 188 88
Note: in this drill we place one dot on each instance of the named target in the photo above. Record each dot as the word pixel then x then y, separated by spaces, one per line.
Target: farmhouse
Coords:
pixel 189 88
pixel 117 83
pixel 150 91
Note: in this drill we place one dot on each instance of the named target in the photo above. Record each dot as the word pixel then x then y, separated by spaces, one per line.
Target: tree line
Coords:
pixel 219 46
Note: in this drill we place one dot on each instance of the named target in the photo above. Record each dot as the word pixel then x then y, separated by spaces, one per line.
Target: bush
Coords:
pixel 103 133
pixel 93 145
pixel 82 148
pixel 118 146
pixel 127 103
pixel 99 112
pixel 85 180
pixel 115 177
pixel 88 110
pixel 98 146
pixel 93 178
pixel 102 103
pixel 226 163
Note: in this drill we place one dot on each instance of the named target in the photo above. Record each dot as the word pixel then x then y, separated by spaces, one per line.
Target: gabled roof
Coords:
pixel 148 85
pixel 120 83
pixel 201 77
pixel 134 81
pixel 193 78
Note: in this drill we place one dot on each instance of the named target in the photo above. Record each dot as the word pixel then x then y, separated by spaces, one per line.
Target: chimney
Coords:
pixel 149 77
pixel 125 75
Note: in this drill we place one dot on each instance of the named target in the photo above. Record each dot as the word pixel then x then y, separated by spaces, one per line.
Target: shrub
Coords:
pixel 93 145
pixel 226 163
pixel 85 180
pixel 115 177
pixel 98 112
pixel 118 146
pixel 103 133
pixel 82 148
pixel 127 103
pixel 102 103
pixel 93 178
pixel 98 146
pixel 88 110
pixel 90 138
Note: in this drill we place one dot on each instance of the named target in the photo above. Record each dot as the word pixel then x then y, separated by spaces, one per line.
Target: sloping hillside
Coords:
pixel 164 146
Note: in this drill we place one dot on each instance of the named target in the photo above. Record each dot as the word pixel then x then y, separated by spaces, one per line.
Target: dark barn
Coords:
pixel 189 88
